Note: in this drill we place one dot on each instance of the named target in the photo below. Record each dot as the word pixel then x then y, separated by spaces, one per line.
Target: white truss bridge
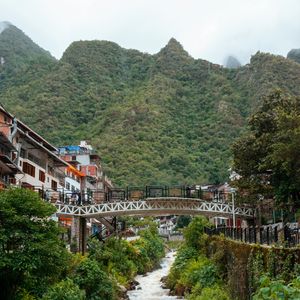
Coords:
pixel 155 207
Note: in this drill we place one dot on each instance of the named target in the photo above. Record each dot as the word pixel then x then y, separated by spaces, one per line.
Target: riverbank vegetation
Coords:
pixel 34 263
pixel 219 268
pixel 193 274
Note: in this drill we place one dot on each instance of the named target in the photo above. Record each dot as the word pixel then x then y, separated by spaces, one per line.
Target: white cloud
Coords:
pixel 207 29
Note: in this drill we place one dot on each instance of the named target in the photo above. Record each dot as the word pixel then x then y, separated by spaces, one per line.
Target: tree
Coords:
pixel 90 277
pixel 268 156
pixel 183 221
pixel 32 256
pixel 193 234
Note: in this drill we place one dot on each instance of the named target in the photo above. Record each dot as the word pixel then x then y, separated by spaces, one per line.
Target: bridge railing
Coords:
pixel 153 191
pixel 86 197
pixel 74 198
pixel 289 237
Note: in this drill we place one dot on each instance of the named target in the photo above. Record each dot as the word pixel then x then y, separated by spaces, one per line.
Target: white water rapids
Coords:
pixel 149 287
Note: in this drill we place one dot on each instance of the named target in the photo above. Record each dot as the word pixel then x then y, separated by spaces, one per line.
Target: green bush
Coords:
pixel 201 271
pixel 64 290
pixel 184 255
pixel 90 277
pixel 214 292
pixel 123 259
pixel 277 290
pixel 194 233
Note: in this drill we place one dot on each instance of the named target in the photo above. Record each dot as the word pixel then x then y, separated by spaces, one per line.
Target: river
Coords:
pixel 150 285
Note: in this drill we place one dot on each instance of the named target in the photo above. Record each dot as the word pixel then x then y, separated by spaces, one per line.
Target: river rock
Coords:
pixel 132 285
pixel 163 280
pixel 122 292
pixel 122 288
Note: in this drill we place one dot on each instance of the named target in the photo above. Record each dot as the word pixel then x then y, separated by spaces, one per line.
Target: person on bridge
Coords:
pixel 188 192
pixel 78 200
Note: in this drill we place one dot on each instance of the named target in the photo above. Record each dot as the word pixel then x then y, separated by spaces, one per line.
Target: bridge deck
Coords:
pixel 155 207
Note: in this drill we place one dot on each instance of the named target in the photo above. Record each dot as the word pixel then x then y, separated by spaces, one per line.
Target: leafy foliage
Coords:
pixel 208 293
pixel 201 271
pixel 64 290
pixel 95 282
pixel 268 156
pixel 123 259
pixel 193 274
pixel 31 255
pixel 183 221
pixel 194 233
pixel 277 290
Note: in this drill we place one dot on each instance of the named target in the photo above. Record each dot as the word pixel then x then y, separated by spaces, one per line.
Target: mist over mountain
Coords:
pixel 155 119
pixel 232 62
pixel 294 54
pixel 4 25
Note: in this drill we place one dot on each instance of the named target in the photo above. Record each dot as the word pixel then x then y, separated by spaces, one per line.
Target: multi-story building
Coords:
pixel 87 164
pixel 8 168
pixel 32 154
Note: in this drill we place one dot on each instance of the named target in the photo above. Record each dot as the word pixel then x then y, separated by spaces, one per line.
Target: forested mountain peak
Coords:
pixel 173 49
pixel 4 25
pixel 18 52
pixel 14 41
pixel 90 49
pixel 21 60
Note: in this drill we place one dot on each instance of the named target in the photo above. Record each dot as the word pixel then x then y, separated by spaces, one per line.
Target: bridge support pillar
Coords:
pixel 78 234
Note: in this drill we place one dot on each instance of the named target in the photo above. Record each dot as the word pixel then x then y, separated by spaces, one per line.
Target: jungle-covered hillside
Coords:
pixel 154 119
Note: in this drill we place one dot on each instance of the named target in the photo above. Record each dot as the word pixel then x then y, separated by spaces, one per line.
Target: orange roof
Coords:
pixel 75 171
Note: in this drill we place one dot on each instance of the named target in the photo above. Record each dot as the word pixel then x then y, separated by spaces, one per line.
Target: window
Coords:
pixel 42 176
pixel 23 153
pixel 12 180
pixel 73 188
pixel 53 185
pixel 28 169
pixel 74 157
pixel 68 186
pixel 13 156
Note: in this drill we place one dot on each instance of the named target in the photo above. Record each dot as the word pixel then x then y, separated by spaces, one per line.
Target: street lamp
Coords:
pixel 232 191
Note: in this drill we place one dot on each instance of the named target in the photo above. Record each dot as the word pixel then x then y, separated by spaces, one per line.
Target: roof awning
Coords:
pixel 58 162
pixel 73 170
pixel 8 165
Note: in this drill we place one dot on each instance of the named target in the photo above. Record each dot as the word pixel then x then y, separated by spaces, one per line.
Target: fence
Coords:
pixel 118 194
pixel 286 236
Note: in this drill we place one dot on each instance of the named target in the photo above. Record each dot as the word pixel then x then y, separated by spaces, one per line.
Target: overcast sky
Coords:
pixel 210 29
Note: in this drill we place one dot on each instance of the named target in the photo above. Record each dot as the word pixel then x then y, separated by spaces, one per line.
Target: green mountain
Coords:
pixel 155 119
pixel 17 53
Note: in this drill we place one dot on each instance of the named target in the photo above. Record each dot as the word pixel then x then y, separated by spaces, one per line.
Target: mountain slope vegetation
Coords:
pixel 155 119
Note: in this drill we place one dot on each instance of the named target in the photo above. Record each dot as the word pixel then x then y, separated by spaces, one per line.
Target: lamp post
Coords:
pixel 232 191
